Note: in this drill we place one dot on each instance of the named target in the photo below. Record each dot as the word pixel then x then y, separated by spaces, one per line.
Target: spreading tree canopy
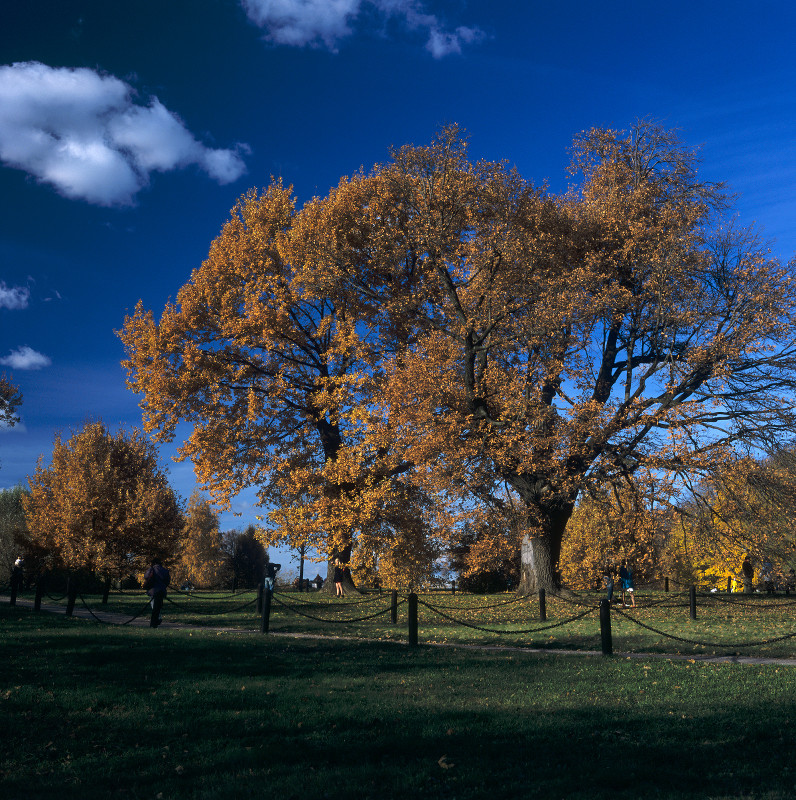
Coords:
pixel 446 325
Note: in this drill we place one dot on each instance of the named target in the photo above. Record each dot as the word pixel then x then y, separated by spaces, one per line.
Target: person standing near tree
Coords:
pixel 338 578
pixel 626 583
pixel 156 581
pixel 270 575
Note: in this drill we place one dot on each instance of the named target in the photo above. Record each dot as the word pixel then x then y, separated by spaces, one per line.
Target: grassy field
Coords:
pixel 737 624
pixel 94 711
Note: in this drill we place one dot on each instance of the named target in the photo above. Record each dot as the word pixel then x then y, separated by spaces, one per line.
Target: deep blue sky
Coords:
pixel 128 130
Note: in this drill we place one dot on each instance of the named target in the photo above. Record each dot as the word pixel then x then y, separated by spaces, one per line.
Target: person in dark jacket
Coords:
pixel 748 572
pixel 156 581
pixel 339 574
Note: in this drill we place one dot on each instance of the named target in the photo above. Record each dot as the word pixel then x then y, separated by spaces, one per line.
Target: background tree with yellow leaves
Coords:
pixel 748 507
pixel 615 523
pixel 103 504
pixel 200 559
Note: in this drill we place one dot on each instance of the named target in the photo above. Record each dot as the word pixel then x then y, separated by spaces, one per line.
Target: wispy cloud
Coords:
pixel 25 358
pixel 14 298
pixel 323 23
pixel 81 132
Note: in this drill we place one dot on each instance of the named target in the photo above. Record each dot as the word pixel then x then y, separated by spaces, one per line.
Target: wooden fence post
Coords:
pixel 412 611
pixel 542 605
pixel 605 628
pixel 692 600
pixel 394 607
pixel 666 584
pixel 453 587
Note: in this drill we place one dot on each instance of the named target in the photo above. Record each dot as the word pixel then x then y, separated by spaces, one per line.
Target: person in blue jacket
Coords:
pixel 626 583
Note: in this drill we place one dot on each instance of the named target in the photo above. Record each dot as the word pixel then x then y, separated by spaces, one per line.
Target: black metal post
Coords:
pixel 266 618
pixel 453 587
pixel 542 605
pixel 605 628
pixel 666 584
pixel 692 600
pixel 39 593
pixel 106 591
pixel 394 607
pixel 729 585
pixel 412 611
pixel 71 597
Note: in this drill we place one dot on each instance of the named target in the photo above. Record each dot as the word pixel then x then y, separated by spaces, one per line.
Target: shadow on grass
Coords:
pixel 236 716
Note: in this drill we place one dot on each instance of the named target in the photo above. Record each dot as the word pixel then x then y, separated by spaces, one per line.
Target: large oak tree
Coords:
pixel 447 323
pixel 264 359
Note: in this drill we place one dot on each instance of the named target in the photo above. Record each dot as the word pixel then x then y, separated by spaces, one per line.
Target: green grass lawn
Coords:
pixel 98 711
pixel 660 623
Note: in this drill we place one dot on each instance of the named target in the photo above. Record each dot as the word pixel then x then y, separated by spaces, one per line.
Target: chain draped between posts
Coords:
pixel 241 607
pixel 295 610
pixel 724 645
pixel 143 611
pixel 513 632
pixel 303 607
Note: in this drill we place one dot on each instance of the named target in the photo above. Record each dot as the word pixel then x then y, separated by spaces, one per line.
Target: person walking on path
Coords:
pixel 626 583
pixel 156 581
pixel 748 574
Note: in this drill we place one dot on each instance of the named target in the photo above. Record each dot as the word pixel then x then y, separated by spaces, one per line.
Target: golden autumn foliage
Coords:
pixel 200 559
pixel 444 326
pixel 102 504
pixel 613 525
pixel 749 507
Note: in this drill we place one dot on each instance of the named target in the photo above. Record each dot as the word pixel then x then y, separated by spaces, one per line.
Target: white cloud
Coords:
pixel 14 298
pixel 442 43
pixel 81 132
pixel 303 22
pixel 326 22
pixel 25 358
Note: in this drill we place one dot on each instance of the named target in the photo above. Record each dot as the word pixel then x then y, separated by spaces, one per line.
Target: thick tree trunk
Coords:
pixel 540 553
pixel 536 566
pixel 349 587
